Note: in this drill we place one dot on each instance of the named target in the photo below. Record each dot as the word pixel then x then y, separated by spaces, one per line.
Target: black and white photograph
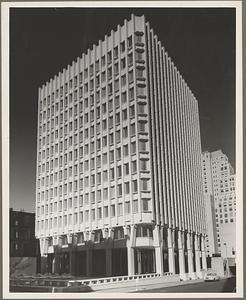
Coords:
pixel 122 149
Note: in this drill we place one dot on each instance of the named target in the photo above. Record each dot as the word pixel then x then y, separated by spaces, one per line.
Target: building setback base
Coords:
pixel 130 255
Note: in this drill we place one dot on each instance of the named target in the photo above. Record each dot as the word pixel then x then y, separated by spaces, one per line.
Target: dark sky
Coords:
pixel 201 43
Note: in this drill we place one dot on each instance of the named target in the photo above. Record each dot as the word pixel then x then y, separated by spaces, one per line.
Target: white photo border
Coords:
pixel 5 10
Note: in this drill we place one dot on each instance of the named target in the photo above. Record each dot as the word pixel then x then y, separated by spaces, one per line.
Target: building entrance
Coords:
pixel 80 263
pixel 144 261
pixel 63 263
pixel 119 262
pixel 50 262
pixel 98 262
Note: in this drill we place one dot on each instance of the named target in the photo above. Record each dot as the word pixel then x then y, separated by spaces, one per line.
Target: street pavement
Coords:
pixel 192 286
pixel 222 286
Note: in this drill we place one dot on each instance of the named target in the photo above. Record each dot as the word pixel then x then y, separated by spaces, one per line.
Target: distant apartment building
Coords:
pixel 220 202
pixel 119 177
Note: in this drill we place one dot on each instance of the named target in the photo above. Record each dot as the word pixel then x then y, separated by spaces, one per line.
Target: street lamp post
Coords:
pixel 227 262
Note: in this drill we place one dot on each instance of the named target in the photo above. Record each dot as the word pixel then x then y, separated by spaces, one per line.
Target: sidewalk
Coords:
pixel 147 286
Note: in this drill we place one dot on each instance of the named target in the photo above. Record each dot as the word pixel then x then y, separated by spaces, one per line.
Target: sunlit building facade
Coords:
pixel 219 185
pixel 119 178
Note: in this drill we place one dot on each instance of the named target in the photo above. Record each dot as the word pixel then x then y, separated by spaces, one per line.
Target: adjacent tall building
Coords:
pixel 220 201
pixel 119 177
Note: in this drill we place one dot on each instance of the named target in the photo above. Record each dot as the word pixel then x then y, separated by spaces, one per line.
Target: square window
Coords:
pixel 119 173
pixel 112 192
pixel 122 47
pixel 104 108
pixel 105 193
pixel 117 118
pixel 123 80
pixel 123 97
pixel 105 158
pixel 130 76
pixel 125 150
pixel 144 184
pixel 99 196
pixel 118 153
pixel 103 61
pixel 127 208
pixel 110 122
pixel 111 174
pixel 104 141
pixel 111 156
pixel 109 57
pixel 99 178
pixel 105 211
pixel 123 63
pixel 133 129
pixel 127 187
pixel 132 111
pixel 119 190
pixel 116 52
pixel 134 166
pixel 129 41
pixel 111 139
pixel 113 210
pixel 135 206
pixel 116 69
pixel 126 169
pixel 130 59
pixel 124 114
pixel 105 176
pixel 145 204
pixel 125 132
pixel 104 125
pixel 133 147
pixel 143 165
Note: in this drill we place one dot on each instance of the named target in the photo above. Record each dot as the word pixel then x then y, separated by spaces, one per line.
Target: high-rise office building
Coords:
pixel 119 178
pixel 219 188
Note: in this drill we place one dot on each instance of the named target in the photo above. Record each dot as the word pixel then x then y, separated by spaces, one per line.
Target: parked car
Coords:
pixel 77 288
pixel 211 276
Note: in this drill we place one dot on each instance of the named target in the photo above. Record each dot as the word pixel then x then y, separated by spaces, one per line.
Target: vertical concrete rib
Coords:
pixel 193 179
pixel 196 168
pixel 202 205
pixel 163 133
pixel 173 151
pixel 150 105
pixel 197 158
pixel 158 129
pixel 186 154
pixel 149 116
pixel 169 142
pixel 165 136
pixel 190 161
pixel 153 124
pixel 181 150
pixel 176 150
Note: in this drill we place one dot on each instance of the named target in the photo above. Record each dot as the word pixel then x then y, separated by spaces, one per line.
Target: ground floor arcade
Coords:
pixel 159 252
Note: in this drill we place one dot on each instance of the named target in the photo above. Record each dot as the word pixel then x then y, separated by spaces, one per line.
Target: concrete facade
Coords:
pixel 119 178
pixel 220 203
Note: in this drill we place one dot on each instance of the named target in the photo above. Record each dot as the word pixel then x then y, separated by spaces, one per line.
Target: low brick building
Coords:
pixel 23 246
